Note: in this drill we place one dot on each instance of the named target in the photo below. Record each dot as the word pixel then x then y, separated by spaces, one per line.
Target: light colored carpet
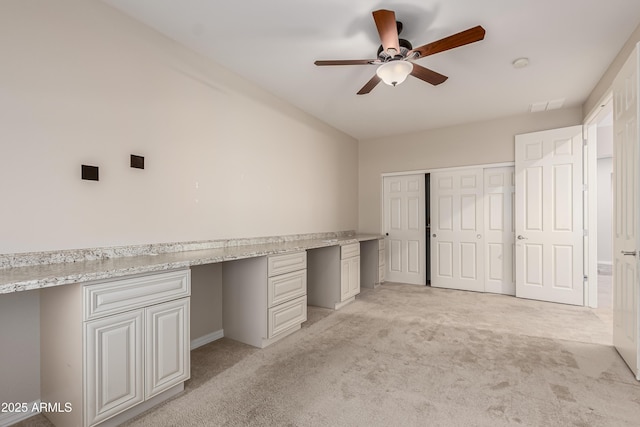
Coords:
pixel 412 355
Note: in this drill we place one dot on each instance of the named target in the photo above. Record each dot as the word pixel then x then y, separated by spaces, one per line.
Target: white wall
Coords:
pixel 463 145
pixel 605 211
pixel 80 83
pixel 604 85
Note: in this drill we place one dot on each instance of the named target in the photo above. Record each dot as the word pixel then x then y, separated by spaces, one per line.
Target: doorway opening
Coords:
pixel 604 174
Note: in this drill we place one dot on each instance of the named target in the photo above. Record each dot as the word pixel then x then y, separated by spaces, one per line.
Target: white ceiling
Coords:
pixel 569 43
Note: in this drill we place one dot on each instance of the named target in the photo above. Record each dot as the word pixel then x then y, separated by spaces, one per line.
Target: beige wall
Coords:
pixel 463 145
pixel 604 85
pixel 20 347
pixel 80 83
pixel 83 84
pixel 206 300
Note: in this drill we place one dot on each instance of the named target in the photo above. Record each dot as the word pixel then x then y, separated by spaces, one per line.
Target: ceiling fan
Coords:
pixel 396 55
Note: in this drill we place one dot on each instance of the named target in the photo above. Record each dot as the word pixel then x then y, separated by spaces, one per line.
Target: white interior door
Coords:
pixel 404 224
pixel 457 253
pixel 499 229
pixel 626 155
pixel 549 231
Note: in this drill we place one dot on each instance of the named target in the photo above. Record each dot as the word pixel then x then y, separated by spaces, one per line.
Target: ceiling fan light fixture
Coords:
pixel 394 72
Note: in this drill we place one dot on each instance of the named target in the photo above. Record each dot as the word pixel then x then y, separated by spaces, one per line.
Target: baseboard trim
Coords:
pixel 9 418
pixel 339 305
pixel 206 339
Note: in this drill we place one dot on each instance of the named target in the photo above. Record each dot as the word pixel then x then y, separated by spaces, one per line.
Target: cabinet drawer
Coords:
pixel 285 287
pixel 380 258
pixel 280 264
pixel 116 296
pixel 381 244
pixel 284 316
pixel 351 250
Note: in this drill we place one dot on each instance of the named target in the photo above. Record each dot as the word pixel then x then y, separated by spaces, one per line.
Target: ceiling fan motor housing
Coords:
pixel 405 47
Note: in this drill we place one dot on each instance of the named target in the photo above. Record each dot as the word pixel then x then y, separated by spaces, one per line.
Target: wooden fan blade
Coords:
pixel 460 39
pixel 388 30
pixel 428 75
pixel 370 85
pixel 345 62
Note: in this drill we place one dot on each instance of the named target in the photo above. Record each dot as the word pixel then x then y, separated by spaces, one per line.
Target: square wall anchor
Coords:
pixel 137 161
pixel 90 173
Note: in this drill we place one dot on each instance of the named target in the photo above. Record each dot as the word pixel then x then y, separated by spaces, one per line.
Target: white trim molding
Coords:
pixel 206 339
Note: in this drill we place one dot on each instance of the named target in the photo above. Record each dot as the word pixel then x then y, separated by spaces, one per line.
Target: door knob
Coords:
pixel 434 235
pixel 521 237
pixel 631 253
pixel 479 236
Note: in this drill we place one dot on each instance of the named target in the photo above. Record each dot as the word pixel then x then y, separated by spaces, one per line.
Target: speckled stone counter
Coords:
pixel 21 272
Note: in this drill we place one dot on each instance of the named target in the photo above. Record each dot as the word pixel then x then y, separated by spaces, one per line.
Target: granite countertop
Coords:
pixel 47 274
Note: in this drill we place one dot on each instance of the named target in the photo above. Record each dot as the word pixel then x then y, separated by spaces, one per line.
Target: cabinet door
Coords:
pixel 354 276
pixel 345 269
pixel 167 360
pixel 349 278
pixel 113 365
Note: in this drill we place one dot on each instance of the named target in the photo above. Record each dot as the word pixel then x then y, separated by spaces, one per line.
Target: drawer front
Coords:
pixel 280 264
pixel 286 287
pixel 116 296
pixel 380 258
pixel 286 315
pixel 349 251
pixel 381 244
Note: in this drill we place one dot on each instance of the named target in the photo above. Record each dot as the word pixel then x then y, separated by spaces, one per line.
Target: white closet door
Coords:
pixel 457 260
pixel 404 224
pixel 499 188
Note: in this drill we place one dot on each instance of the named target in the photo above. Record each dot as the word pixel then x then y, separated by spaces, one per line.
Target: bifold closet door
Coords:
pixel 404 225
pixel 499 189
pixel 457 227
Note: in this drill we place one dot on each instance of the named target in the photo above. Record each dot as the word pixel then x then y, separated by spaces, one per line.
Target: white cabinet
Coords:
pixel 349 271
pixel 114 375
pixel 286 293
pixel 349 278
pixel 167 360
pixel 264 299
pixel 115 348
pixel 334 275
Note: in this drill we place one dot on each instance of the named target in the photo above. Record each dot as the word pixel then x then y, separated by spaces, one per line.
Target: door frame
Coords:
pixel 589 133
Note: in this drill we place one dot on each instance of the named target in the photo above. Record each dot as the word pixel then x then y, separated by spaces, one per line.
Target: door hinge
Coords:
pixel 585 232
pixel 585 187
